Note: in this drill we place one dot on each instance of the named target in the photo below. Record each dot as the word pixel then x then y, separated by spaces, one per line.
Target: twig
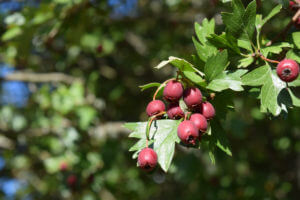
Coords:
pixel 282 34
pixel 41 77
pixel 267 59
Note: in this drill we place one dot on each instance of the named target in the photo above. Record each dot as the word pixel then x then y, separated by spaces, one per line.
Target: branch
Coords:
pixel 282 34
pixel 41 77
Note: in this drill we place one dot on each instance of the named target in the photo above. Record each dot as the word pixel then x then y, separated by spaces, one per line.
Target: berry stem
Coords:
pixel 267 59
pixel 150 120
pixel 186 115
pixel 162 85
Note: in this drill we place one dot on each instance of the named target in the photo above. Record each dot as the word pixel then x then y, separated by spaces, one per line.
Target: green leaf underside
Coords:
pixel 149 85
pixel 296 39
pixel 164 134
pixel 179 63
pixel 227 80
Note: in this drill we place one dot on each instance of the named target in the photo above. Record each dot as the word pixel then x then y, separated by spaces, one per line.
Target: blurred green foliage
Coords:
pixel 62 122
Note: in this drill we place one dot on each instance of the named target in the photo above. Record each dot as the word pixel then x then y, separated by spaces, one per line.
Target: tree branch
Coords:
pixel 41 77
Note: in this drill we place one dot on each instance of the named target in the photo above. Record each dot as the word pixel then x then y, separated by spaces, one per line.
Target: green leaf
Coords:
pixel 295 83
pixel 215 65
pixel 218 137
pixel 273 12
pixel 270 91
pixel 181 64
pixel 245 44
pixel 295 100
pixel 164 144
pixel 141 144
pixel 164 133
pixel 275 48
pixel 241 22
pixel 204 30
pixel 245 62
pixel 256 77
pixel 293 54
pixel 296 39
pixel 12 33
pixel 149 85
pixel 227 80
pixel 226 1
pixel 195 78
pixel 249 20
pixel 224 41
pixel 204 51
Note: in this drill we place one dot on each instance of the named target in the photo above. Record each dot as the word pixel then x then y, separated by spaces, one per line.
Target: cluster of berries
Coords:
pixel 189 130
pixel 287 70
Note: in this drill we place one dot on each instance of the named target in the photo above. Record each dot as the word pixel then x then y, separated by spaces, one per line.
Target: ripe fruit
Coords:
pixel 174 111
pixel 100 48
pixel 63 166
pixel 147 159
pixel 155 107
pixel 173 91
pixel 72 179
pixel 287 70
pixel 199 121
pixel 187 132
pixel 208 110
pixel 192 97
pixel 292 6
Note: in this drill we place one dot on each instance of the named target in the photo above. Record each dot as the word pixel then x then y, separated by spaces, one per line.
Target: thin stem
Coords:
pixel 267 59
pixel 151 119
pixel 186 115
pixel 161 85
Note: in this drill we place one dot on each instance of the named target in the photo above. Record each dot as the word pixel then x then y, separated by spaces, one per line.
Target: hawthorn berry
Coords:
pixel 173 91
pixel 199 121
pixel 147 159
pixel 99 48
pixel 208 110
pixel 63 166
pixel 188 132
pixel 174 111
pixel 287 70
pixel 155 107
pixel 292 6
pixel 72 179
pixel 192 97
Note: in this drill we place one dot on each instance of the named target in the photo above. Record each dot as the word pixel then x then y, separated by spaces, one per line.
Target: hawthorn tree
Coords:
pixel 236 59
pixel 80 62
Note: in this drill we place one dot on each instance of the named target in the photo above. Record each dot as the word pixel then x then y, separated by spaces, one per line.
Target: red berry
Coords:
pixel 63 166
pixel 174 111
pixel 100 48
pixel 155 107
pixel 147 159
pixel 292 6
pixel 173 91
pixel 208 110
pixel 72 179
pixel 187 132
pixel 287 70
pixel 192 97
pixel 199 121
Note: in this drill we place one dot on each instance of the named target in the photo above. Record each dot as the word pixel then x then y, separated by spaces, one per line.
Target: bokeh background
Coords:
pixel 70 71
